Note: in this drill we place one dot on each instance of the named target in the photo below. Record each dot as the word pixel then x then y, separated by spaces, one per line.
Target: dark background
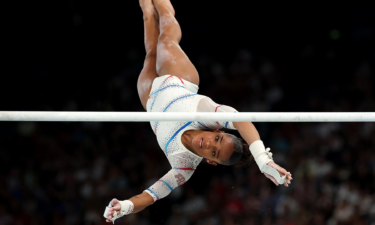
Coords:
pixel 254 56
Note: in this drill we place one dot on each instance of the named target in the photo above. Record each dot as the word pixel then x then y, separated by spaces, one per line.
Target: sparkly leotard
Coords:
pixel 173 94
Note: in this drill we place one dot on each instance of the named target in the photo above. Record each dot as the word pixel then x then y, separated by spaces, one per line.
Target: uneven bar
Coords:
pixel 176 116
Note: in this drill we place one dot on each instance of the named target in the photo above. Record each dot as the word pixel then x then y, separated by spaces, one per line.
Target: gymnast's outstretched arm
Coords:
pixel 251 135
pixel 163 187
pixel 248 132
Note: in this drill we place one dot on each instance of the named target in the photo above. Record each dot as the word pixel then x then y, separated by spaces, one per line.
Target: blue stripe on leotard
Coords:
pixel 174 135
pixel 170 188
pixel 148 189
pixel 203 125
pixel 173 85
pixel 176 100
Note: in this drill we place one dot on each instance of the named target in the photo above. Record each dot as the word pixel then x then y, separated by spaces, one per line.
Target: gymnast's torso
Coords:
pixel 173 94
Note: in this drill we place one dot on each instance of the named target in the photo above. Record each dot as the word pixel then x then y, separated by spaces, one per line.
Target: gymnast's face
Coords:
pixel 216 146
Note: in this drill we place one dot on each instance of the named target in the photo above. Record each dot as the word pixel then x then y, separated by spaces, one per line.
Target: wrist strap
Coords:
pixel 127 207
pixel 261 155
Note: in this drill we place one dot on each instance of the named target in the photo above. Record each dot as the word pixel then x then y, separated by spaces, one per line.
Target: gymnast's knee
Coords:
pixel 167 38
pixel 150 54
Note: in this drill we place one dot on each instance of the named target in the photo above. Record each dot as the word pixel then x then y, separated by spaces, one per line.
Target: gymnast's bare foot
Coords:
pixel 148 9
pixel 166 3
pixel 146 6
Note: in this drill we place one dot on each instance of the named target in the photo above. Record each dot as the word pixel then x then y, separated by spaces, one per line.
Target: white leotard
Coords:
pixel 173 94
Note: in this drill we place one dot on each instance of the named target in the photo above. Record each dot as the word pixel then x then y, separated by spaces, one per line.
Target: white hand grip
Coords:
pixel 106 212
pixel 273 172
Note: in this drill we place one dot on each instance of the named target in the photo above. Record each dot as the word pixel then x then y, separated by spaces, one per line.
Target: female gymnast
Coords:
pixel 169 83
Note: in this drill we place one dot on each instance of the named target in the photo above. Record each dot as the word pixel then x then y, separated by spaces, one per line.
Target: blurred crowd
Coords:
pixel 66 173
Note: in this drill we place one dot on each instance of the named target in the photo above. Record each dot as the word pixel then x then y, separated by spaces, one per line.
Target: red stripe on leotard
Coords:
pixel 185 168
pixel 181 80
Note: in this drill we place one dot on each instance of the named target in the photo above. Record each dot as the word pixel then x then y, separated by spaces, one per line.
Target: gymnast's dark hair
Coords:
pixel 241 155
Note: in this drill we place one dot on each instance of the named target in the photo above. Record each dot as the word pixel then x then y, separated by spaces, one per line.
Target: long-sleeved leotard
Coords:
pixel 173 94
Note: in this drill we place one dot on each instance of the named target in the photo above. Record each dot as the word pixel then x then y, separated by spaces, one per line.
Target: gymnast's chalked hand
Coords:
pixel 115 207
pixel 282 172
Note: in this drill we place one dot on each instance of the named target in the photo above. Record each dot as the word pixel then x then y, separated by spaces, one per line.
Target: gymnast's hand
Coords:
pixel 281 171
pixel 115 207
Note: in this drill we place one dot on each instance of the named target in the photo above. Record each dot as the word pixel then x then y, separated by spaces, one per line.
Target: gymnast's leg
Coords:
pixel 171 60
pixel 148 74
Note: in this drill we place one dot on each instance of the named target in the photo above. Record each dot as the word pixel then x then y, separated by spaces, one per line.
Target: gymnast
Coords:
pixel 169 83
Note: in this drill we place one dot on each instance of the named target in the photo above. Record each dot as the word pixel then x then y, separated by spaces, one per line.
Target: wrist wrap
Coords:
pixel 261 155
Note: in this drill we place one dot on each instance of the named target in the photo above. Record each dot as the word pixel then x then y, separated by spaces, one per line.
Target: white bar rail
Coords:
pixel 183 116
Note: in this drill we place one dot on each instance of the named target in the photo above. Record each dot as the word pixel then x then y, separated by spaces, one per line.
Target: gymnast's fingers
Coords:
pixel 110 213
pixel 282 171
pixel 289 178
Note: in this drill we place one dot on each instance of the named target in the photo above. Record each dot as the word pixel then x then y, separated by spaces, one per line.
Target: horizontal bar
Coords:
pixel 186 116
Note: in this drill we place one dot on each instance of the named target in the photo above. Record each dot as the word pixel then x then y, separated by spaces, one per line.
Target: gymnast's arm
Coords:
pixel 141 201
pixel 174 178
pixel 251 135
pixel 158 190
pixel 248 132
